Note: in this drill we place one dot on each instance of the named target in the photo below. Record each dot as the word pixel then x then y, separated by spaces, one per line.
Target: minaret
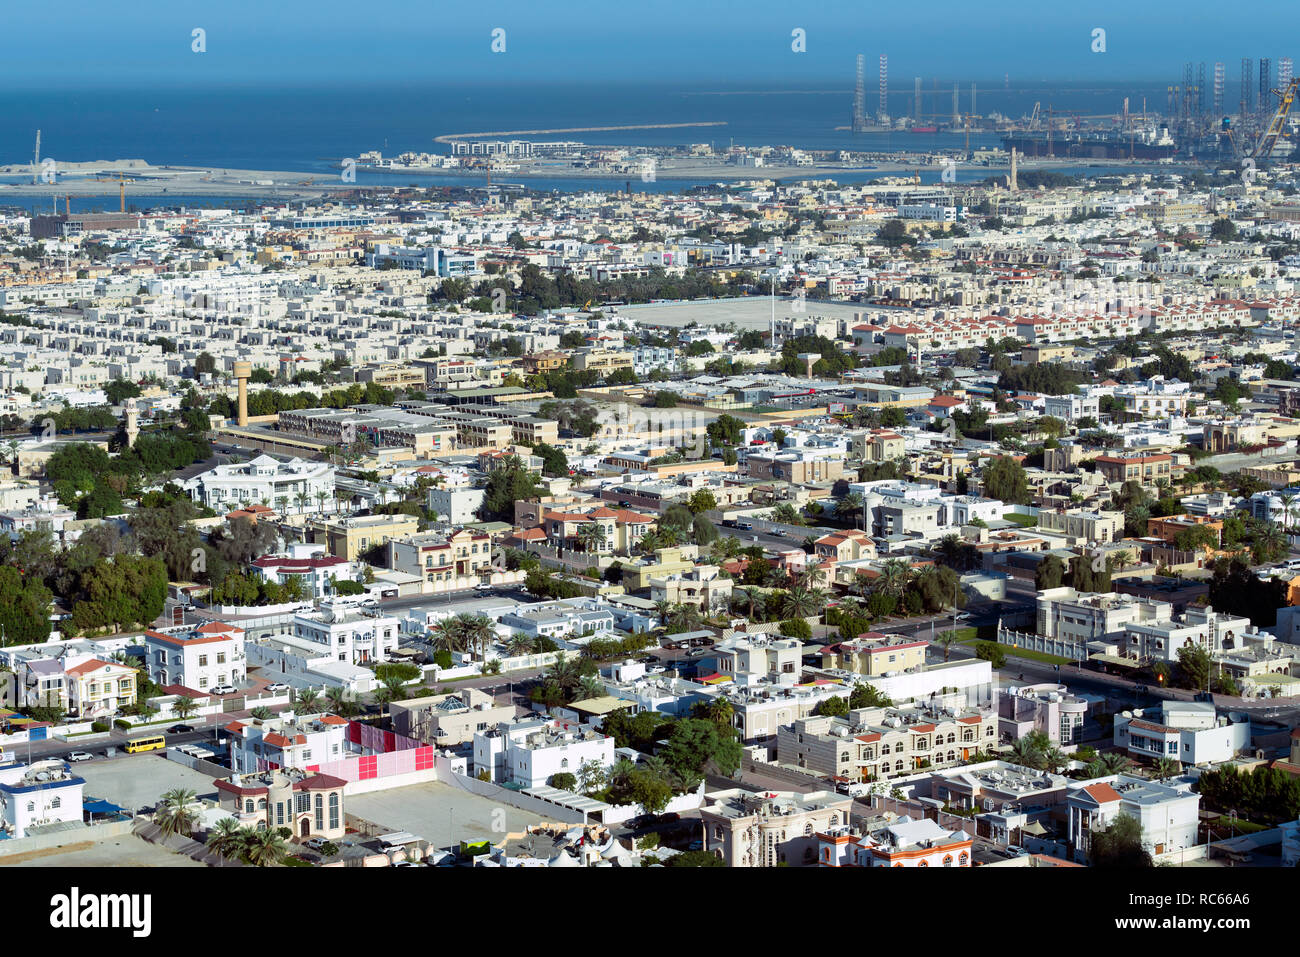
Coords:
pixel 132 422
pixel 1011 180
pixel 242 371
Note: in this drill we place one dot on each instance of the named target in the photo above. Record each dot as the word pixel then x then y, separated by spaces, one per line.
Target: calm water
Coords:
pixel 309 130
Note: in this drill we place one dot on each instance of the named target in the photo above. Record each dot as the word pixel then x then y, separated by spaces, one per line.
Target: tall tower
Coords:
pixel 1200 91
pixel 883 106
pixel 1284 73
pixel 859 97
pixel 132 425
pixel 1247 86
pixel 956 107
pixel 242 371
pixel 1265 102
pixel 1012 185
pixel 1218 91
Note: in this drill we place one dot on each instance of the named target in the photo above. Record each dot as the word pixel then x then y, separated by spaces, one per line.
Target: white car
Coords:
pixel 224 689
pixel 78 756
pixel 278 686
pixel 483 586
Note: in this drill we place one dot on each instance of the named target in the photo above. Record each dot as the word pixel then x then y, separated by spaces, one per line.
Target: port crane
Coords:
pixel 1264 148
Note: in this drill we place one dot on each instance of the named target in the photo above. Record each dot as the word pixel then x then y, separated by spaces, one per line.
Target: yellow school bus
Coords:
pixel 151 743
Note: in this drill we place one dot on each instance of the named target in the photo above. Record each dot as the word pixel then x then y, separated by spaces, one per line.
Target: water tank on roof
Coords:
pixel 1128 714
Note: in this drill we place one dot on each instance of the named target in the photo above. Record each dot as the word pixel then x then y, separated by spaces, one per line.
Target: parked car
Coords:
pixel 180 729
pixel 483 586
pixel 78 756
pixel 277 686
pixel 316 843
pixel 224 689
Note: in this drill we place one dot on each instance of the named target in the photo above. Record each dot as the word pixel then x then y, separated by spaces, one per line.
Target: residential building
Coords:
pixel 318 576
pixel 902 842
pixel 1167 812
pixel 351 538
pixel 1191 733
pixel 347 634
pixel 769 828
pixel 286 741
pixel 528 753
pixel 448 562
pixel 875 654
pixel 448 720
pixel 1049 709
pixel 292 487
pixel 197 658
pixel 309 804
pixel 34 796
pixel 701 586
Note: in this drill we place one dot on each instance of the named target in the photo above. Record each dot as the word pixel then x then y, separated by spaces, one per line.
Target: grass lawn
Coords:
pixel 1024 521
pixel 1035 656
pixel 1240 826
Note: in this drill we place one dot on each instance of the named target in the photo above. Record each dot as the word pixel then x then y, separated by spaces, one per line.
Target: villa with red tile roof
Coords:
pixel 201 658
pixel 288 741
pixel 309 804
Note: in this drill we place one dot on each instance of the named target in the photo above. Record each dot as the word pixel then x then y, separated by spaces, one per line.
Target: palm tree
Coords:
pixel 850 506
pixel 804 602
pixel 263 848
pixel 945 641
pixel 1166 768
pixel 589 686
pixel 339 702
pixel 446 635
pixel 1114 762
pixel 747 595
pixel 591 536
pixel 478 632
pixel 1286 508
pixel 894 576
pixel 226 838
pixel 719 710
pixel 1122 559
pixel 394 689
pixel 261 712
pixel 685 618
pixel 321 497
pixel 184 707
pixel 301 500
pixel 305 701
pixel 175 814
pixel 1269 540
pixel 281 502
pixel 566 672
pixel 663 608
pixel 520 644
pixel 1055 759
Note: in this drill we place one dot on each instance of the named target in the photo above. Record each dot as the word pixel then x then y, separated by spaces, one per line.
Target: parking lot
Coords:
pixel 441 814
pixel 139 780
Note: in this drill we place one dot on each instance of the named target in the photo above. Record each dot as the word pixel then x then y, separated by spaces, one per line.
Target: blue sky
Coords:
pixel 667 42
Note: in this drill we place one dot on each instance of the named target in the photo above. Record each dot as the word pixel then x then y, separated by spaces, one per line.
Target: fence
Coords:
pixel 67 839
pixel 525 802
pixel 1041 643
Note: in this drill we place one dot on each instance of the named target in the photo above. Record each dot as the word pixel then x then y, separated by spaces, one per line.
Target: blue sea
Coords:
pixel 309 130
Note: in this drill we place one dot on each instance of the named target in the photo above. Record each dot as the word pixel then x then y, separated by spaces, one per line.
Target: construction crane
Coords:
pixel 1277 124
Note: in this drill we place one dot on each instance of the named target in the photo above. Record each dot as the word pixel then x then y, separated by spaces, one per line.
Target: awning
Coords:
pixel 1036 829
pixel 1115 660
pixel 99 806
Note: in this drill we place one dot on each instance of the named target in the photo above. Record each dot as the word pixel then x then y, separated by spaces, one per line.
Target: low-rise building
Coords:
pixel 902 842
pixel 447 720
pixel 1167 812
pixel 35 795
pixel 199 658
pixel 770 828
pixel 286 741
pixel 1188 732
pixel 528 753
pixel 308 803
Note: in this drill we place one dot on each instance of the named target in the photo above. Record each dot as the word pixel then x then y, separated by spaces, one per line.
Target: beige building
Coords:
pixel 875 654
pixel 770 828
pixel 448 720
pixel 666 561
pixel 603 361
pixel 701 586
pixel 347 538
pixel 850 545
pixel 877 445
pixel 1090 527
pixel 877 744
pixel 796 467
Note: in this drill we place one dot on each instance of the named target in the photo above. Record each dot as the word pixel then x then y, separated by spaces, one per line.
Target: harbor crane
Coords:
pixel 1264 148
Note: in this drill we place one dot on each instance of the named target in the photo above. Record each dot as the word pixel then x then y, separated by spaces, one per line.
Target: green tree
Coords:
pixel 509 483
pixel 992 652
pixel 1119 845
pixel 176 813
pixel 1050 573
pixel 1005 479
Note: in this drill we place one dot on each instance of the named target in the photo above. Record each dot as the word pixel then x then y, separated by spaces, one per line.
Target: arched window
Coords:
pixel 898 765
pixel 57 802
pixel 962 860
pixel 952 737
pixel 334 810
pixel 835 820
pixel 845 758
pixel 564 762
pixel 261 804
pixel 808 829
pixel 952 755
pixel 947 860
pixel 248 804
pixel 884 749
pixel 922 864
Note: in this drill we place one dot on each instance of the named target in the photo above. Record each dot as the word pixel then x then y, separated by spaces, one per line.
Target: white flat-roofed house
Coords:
pixel 288 741
pixel 1168 812
pixel 36 795
pixel 292 487
pixel 348 636
pixel 1188 732
pixel 318 574
pixel 528 753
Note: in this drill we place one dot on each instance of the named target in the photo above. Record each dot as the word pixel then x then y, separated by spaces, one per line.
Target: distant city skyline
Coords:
pixel 673 43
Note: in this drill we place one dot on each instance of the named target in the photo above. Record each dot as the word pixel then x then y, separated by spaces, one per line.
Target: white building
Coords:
pixel 292 487
pixel 528 753
pixel 318 574
pixel 1070 408
pixel 35 795
pixel 459 506
pixel 287 741
pixel 199 658
pixel 349 636
pixel 1167 812
pixel 1184 731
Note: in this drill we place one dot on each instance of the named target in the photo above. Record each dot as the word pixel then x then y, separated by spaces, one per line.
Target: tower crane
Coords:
pixel 1264 148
